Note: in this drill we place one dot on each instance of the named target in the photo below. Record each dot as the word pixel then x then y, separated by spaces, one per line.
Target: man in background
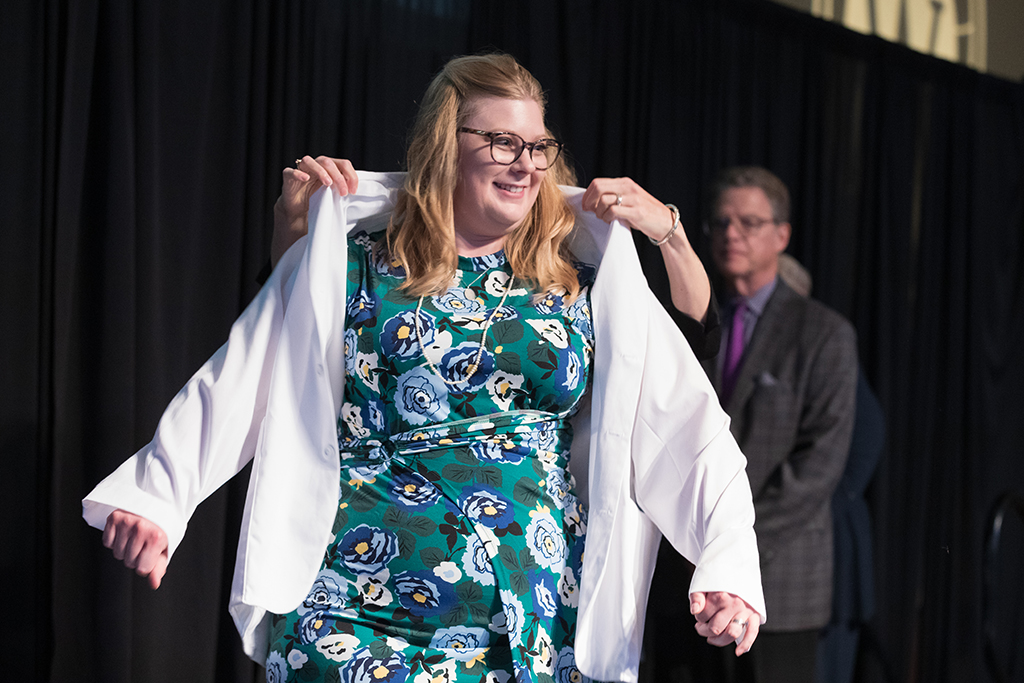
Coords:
pixel 787 376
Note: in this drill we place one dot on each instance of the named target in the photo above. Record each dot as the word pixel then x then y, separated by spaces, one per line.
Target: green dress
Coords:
pixel 458 538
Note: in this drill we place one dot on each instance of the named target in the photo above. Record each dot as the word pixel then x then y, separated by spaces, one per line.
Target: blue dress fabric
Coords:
pixel 458 538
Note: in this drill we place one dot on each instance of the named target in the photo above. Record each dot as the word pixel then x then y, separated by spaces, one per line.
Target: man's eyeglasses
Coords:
pixel 746 224
pixel 506 148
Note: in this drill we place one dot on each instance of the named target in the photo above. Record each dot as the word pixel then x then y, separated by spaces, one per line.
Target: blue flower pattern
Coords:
pixel 457 516
pixel 488 506
pixel 402 333
pixel 367 550
pixel 365 667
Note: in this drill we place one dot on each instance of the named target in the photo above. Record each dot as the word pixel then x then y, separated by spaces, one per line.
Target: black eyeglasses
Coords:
pixel 506 148
pixel 747 225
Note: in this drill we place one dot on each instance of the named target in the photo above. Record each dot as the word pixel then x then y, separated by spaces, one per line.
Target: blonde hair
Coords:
pixel 421 233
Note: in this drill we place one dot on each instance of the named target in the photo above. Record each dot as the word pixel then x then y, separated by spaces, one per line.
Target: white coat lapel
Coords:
pixel 619 305
pixel 295 474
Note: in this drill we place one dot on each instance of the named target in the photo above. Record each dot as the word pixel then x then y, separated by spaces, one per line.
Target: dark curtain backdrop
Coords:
pixel 141 152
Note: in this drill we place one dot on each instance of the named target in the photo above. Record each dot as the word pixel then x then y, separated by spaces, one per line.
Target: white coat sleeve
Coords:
pixel 689 475
pixel 210 428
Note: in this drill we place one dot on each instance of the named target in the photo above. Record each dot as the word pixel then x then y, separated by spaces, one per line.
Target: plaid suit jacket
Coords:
pixel 792 413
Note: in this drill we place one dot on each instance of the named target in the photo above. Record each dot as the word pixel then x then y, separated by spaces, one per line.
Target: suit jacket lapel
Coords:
pixel 771 326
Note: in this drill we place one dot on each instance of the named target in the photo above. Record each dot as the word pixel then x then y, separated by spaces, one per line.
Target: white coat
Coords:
pixel 661 456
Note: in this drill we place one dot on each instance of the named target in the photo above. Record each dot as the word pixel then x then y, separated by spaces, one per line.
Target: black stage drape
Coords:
pixel 142 148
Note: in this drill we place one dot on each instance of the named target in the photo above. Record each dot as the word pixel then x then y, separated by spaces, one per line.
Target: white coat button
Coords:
pixel 329 451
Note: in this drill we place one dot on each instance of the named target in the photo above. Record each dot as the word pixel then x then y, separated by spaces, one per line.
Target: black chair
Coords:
pixel 1002 603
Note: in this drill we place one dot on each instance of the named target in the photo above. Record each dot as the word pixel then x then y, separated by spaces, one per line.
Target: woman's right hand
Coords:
pixel 140 543
pixel 298 184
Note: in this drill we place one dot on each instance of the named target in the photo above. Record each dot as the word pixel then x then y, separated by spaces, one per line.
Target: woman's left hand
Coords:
pixel 625 200
pixel 725 618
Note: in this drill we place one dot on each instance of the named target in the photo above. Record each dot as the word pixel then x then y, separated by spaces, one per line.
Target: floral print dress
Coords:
pixel 458 538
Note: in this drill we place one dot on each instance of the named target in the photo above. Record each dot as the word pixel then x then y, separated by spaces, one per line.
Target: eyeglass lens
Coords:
pixel 747 224
pixel 507 147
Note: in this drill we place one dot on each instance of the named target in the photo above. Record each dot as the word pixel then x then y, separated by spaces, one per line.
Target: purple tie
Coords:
pixel 733 352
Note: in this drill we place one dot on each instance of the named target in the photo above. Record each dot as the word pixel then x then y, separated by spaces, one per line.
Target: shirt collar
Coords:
pixel 756 301
pixel 759 299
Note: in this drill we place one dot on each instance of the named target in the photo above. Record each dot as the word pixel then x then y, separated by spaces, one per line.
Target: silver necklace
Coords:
pixel 483 338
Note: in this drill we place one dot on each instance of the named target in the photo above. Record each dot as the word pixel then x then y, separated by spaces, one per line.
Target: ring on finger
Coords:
pixel 618 200
pixel 298 161
pixel 741 623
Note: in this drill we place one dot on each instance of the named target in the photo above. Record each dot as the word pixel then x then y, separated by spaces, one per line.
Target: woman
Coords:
pixel 444 372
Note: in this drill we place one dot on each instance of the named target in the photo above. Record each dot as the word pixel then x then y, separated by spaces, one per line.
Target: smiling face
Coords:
pixel 747 259
pixel 490 199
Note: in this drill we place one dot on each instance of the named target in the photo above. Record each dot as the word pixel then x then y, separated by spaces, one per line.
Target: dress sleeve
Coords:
pixel 264 274
pixel 704 338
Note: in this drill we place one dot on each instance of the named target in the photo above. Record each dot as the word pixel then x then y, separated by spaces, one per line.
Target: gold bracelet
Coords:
pixel 675 224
